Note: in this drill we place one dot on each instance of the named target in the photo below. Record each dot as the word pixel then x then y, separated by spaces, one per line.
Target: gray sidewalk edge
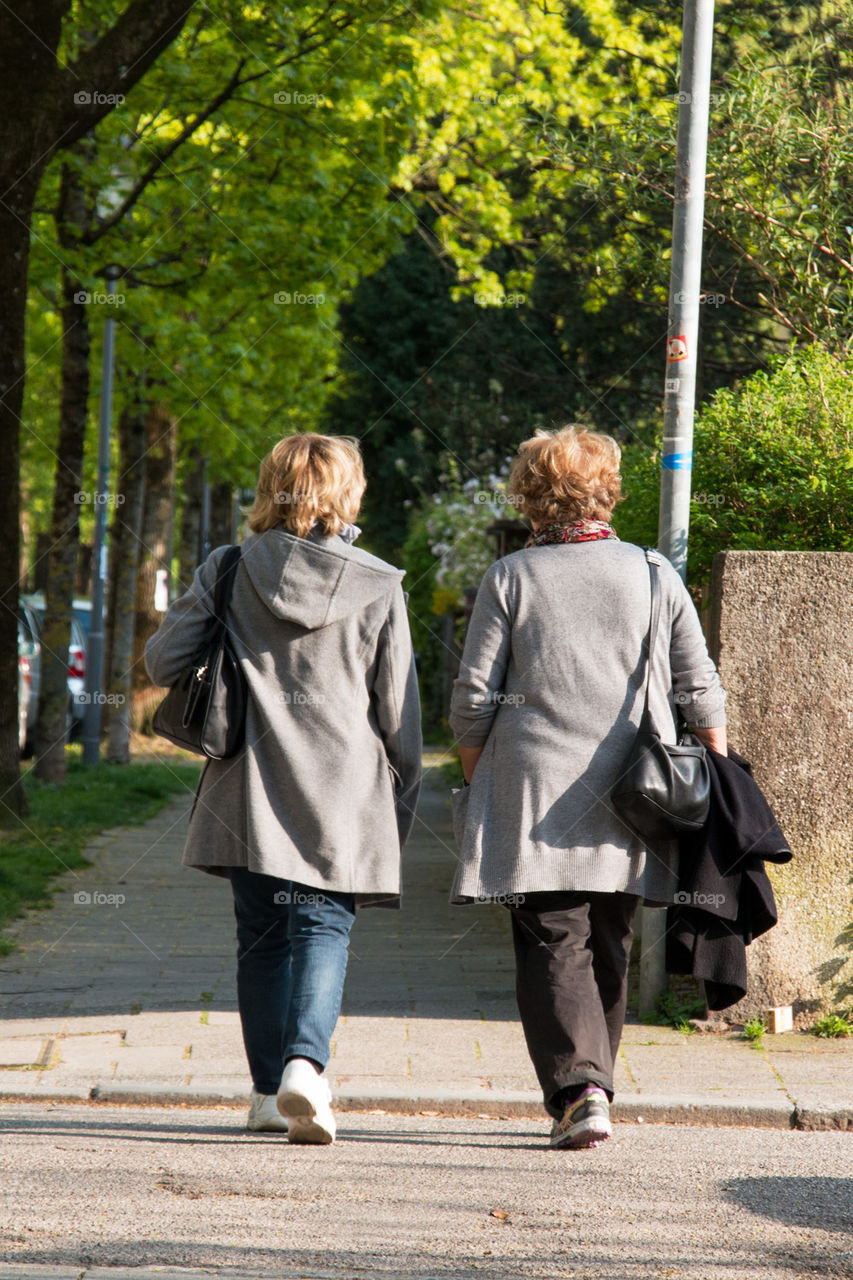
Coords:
pixel 649 1109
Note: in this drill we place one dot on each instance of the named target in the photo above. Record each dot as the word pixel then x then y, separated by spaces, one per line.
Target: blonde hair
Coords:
pixel 567 475
pixel 308 477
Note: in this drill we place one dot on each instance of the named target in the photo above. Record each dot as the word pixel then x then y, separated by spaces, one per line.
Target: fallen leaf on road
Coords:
pixel 500 1214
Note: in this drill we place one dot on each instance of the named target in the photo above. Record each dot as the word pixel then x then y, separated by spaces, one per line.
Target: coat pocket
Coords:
pixel 458 813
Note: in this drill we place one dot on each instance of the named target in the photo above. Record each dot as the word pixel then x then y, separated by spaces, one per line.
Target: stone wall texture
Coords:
pixel 781 632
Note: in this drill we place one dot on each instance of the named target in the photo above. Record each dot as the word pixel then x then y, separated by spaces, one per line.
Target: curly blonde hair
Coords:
pixel 307 478
pixel 567 475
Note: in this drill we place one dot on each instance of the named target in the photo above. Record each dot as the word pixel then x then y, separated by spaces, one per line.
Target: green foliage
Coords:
pixel 832 1027
pixel 672 1012
pixel 237 245
pixel 62 820
pixel 773 466
pixel 754 1031
pixel 776 258
pixel 423 375
pixel 446 553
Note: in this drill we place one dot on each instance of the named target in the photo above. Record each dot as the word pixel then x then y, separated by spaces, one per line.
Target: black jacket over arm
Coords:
pixel 725 898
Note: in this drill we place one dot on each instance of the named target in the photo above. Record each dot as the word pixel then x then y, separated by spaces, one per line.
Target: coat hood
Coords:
pixel 315 580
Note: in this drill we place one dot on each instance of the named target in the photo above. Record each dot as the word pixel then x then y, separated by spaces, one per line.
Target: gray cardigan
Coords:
pixel 323 792
pixel 551 686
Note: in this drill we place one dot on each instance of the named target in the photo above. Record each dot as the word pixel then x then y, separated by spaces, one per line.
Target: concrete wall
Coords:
pixel 781 631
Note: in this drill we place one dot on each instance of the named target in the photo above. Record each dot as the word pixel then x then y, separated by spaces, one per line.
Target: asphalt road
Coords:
pixel 88 1188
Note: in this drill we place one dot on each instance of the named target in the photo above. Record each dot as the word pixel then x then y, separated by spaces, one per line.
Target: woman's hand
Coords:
pixel 715 739
pixel 469 757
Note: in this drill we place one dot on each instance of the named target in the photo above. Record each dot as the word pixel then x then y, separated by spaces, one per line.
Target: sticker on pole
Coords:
pixel 671 385
pixel 676 349
pixel 677 461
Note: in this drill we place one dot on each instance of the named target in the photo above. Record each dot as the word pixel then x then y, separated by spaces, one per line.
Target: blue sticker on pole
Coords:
pixel 677 461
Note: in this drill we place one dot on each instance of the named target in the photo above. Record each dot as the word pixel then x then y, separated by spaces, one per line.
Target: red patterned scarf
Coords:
pixel 580 531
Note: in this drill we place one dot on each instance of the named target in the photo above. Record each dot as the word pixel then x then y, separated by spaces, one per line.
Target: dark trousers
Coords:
pixel 571 957
pixel 292 950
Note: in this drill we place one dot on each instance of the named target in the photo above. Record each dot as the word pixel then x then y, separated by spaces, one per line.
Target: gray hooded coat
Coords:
pixel 324 790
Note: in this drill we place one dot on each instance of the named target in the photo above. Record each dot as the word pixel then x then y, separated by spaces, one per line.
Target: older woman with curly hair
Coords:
pixel 546 709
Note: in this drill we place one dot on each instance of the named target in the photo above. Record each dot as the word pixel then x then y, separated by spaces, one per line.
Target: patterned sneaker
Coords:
pixel 585 1122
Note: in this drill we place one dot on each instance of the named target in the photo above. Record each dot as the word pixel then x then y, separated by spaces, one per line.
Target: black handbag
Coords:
pixel 663 790
pixel 205 709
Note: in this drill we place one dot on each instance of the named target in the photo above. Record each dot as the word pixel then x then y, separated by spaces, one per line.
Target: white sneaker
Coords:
pixel 264 1116
pixel 304 1098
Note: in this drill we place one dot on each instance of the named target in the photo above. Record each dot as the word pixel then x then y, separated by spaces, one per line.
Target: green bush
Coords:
pixel 772 466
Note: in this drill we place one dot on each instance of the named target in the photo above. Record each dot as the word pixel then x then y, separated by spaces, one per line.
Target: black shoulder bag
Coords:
pixel 205 709
pixel 663 790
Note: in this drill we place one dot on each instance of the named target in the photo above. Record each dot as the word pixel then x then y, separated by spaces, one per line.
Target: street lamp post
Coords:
pixel 681 350
pixel 95 645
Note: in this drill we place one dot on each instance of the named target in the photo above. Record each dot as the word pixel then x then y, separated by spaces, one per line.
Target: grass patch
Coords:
pixel 62 820
pixel 754 1031
pixel 832 1027
pixel 670 1011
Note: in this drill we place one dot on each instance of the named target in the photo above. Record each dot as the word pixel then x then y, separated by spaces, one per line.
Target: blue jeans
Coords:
pixel 292 950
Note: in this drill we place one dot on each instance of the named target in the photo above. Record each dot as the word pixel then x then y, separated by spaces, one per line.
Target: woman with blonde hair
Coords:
pixel 309 818
pixel 546 709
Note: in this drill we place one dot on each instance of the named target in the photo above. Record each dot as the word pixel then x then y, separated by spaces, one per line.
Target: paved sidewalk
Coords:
pixel 124 992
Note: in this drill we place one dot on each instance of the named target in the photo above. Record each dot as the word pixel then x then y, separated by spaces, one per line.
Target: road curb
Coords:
pixel 630 1109
pixel 819 1119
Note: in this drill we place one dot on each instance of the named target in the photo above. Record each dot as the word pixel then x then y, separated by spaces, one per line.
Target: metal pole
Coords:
pixel 681 348
pixel 205 517
pixel 95 646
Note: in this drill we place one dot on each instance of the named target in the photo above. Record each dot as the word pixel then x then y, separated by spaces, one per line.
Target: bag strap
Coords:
pixel 653 560
pixel 225 584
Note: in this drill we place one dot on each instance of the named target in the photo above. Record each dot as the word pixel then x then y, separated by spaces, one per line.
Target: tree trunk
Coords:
pixel 40 111
pixel 156 549
pixel 15 215
pixel 221 497
pixel 125 547
pixel 191 515
pixel 52 726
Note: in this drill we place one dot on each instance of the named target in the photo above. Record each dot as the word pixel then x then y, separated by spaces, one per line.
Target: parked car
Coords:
pixel 24 684
pixel 29 675
pixel 30 627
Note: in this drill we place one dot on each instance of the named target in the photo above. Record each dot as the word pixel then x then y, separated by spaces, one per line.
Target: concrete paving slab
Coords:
pixel 24 1052
pixel 81 1053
